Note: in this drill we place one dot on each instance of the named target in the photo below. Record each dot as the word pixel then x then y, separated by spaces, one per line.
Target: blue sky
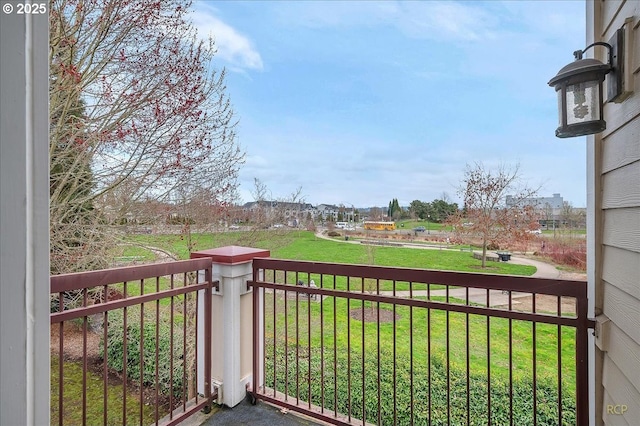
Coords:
pixel 362 102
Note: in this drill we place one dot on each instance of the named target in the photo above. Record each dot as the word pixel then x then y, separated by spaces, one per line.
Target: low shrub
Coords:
pixel 115 351
pixel 434 402
pixel 566 252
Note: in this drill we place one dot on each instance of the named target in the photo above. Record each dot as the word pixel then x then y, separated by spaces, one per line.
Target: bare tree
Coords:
pixel 376 213
pixel 132 102
pixel 261 211
pixel 571 217
pixel 485 214
pixel 370 284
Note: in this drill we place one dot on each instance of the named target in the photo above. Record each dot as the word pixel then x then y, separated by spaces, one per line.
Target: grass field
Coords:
pixel 436 325
pixel 432 226
pixel 94 392
pixel 425 340
pixel 304 245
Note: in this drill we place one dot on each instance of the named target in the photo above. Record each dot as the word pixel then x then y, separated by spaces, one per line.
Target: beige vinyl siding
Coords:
pixel 623 149
pixel 624 350
pixel 617 194
pixel 622 267
pixel 619 389
pixel 622 229
pixel 619 212
pixel 624 310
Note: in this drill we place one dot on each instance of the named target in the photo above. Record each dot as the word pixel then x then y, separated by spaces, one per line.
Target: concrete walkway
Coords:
pixel 543 270
pixel 476 295
pixel 496 297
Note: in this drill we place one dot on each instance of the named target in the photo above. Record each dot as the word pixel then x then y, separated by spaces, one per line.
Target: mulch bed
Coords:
pixel 371 315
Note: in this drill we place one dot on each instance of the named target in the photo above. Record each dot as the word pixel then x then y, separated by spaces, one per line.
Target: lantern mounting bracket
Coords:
pixel 615 48
pixel 578 53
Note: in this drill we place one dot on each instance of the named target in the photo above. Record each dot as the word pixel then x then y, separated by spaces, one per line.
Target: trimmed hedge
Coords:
pixel 430 399
pixel 115 351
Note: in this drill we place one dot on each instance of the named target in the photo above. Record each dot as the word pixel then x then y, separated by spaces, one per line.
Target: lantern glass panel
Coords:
pixel 583 102
pixel 560 108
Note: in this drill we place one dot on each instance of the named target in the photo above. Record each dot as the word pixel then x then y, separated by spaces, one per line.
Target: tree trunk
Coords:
pixel 484 252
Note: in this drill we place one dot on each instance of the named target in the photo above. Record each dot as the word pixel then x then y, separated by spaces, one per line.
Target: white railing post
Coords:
pixel 232 323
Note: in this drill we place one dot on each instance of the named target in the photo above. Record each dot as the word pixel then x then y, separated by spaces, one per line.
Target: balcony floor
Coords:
pixel 261 414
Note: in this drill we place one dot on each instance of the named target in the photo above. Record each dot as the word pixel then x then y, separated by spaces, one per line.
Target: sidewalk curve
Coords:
pixel 543 269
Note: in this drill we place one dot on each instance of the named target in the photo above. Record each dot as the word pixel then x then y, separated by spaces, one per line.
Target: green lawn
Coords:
pixel 432 226
pixel 424 322
pixel 132 252
pixel 304 245
pixel 177 244
pixel 72 400
pixel 448 335
pixel 309 247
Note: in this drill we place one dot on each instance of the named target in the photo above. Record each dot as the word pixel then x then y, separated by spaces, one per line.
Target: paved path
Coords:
pixel 476 295
pixel 543 270
pixel 496 297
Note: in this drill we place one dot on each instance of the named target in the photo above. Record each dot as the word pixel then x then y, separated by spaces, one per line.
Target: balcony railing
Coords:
pixel 377 345
pixel 346 344
pixel 124 344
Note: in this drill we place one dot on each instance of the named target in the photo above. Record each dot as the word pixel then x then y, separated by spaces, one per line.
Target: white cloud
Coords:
pixel 451 21
pixel 447 20
pixel 232 46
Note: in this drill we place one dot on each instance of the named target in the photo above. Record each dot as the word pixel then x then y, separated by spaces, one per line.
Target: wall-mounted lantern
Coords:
pixel 579 89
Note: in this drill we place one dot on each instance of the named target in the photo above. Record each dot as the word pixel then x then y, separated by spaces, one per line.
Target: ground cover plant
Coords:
pixel 165 338
pixel 434 401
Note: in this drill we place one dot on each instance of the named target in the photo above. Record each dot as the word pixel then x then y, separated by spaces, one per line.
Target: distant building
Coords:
pixel 327 212
pixel 551 205
pixel 280 211
pixel 553 211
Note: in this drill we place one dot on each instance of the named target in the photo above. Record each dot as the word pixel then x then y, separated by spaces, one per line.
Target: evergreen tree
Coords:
pixel 71 180
pixel 394 211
